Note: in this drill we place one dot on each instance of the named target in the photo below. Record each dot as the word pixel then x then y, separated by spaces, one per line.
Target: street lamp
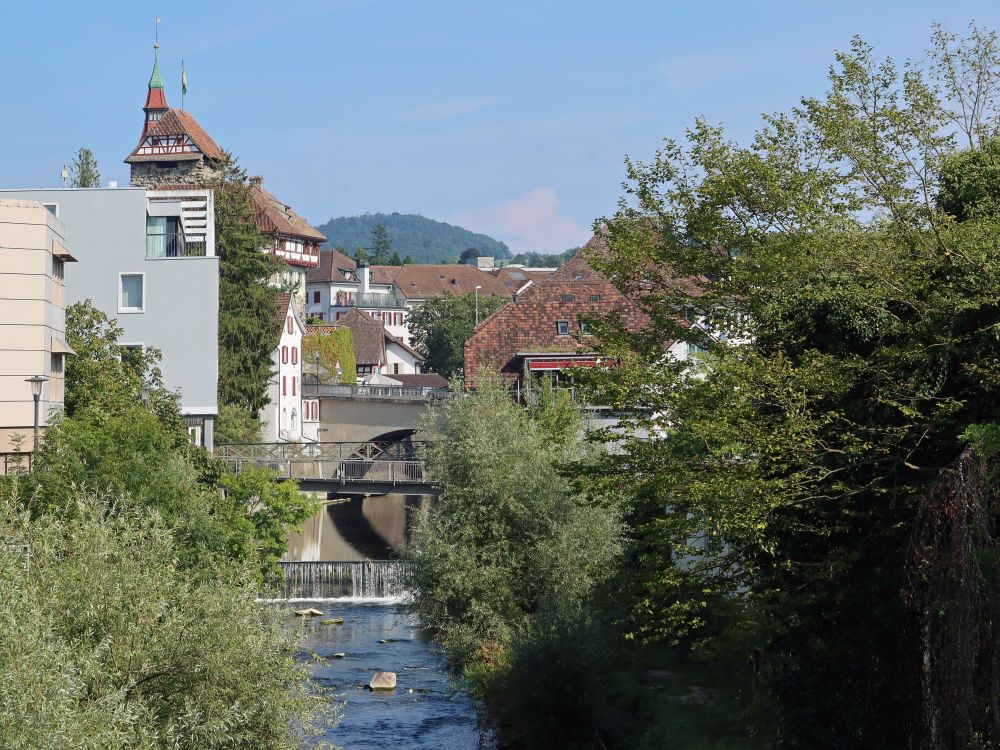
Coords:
pixel 480 286
pixel 146 391
pixel 36 393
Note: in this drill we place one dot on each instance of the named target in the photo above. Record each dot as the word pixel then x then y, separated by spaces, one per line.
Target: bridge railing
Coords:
pixel 367 392
pixel 324 451
pixel 346 471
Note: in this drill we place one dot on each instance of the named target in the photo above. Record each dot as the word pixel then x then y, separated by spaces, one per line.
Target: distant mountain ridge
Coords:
pixel 424 240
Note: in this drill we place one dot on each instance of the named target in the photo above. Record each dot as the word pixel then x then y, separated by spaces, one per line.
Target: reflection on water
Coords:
pixel 370 528
pixel 423 712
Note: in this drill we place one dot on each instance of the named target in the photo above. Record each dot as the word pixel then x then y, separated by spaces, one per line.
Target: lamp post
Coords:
pixel 36 393
pixel 480 286
pixel 146 391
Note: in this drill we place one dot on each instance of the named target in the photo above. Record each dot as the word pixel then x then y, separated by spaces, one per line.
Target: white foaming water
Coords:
pixel 360 581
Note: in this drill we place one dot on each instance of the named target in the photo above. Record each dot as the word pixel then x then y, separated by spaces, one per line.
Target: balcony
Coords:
pixel 378 301
pixel 175 245
pixel 376 392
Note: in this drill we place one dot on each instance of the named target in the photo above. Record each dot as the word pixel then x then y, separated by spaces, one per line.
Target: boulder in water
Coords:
pixel 338 655
pixel 387 640
pixel 383 681
pixel 308 612
pixel 332 621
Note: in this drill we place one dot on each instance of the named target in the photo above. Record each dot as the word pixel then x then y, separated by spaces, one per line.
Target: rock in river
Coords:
pixel 383 681
pixel 308 613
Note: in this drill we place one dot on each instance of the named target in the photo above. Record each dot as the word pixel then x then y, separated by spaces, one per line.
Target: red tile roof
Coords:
pixel 419 282
pixel 276 215
pixel 530 323
pixel 515 278
pixel 173 123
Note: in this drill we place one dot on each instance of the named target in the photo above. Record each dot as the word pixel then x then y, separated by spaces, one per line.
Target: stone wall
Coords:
pixel 148 174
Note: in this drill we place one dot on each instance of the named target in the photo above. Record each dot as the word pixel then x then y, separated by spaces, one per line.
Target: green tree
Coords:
pixel 105 642
pixel 234 425
pixel 360 254
pixel 247 326
pixel 83 171
pixel 381 245
pixel 394 259
pixel 408 260
pixel 443 324
pixel 786 499
pixel 336 350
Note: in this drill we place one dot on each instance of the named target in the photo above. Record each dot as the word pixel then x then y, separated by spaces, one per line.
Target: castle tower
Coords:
pixel 173 148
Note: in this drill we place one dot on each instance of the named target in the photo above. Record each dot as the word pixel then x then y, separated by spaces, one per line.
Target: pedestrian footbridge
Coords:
pixel 376 467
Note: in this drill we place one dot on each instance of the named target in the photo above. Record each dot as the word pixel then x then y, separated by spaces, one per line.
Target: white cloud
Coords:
pixel 529 222
pixel 445 110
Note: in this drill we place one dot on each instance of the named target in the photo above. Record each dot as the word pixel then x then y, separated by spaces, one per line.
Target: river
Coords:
pixel 424 711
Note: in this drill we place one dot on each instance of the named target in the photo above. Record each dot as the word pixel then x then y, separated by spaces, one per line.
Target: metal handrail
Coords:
pixel 174 245
pixel 344 471
pixel 362 392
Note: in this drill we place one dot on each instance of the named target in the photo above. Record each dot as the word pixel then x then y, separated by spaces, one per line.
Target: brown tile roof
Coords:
pixel 333 266
pixel 279 216
pixel 173 123
pixel 418 282
pixel 515 278
pixel 369 336
pixel 422 380
pixel 529 324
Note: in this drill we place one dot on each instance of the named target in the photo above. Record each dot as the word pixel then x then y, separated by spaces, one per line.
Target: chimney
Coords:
pixel 363 279
pixel 257 181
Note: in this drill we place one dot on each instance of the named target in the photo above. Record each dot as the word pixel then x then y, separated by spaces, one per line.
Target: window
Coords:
pixel 288 323
pixel 129 352
pixel 294 380
pixel 395 368
pixel 578 277
pixel 310 410
pixel 52 208
pixel 58 269
pixel 584 327
pixel 132 292
pixel 295 355
pixel 316 296
pixel 284 355
pixel 284 385
pixel 595 298
pixel 562 327
pixel 567 298
pixel 696 349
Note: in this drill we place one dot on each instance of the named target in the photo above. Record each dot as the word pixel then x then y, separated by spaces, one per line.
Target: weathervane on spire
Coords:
pixel 156 32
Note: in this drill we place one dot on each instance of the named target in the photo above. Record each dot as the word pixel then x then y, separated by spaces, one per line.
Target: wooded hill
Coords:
pixel 424 240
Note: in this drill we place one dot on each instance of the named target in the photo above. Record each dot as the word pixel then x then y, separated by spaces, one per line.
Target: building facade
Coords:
pixel 288 418
pixel 33 255
pixel 150 265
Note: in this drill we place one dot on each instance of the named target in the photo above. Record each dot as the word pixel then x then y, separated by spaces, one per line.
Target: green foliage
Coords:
pixel 104 376
pixel 270 510
pixel 444 323
pixel 970 182
pixel 335 349
pixel 424 240
pixel 83 172
pixel 105 642
pixel 247 328
pixel 381 247
pixel 791 472
pixel 234 426
pixel 544 260
pixel 408 260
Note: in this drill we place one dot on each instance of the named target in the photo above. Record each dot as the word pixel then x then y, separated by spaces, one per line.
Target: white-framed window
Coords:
pixel 131 292
pixel 562 327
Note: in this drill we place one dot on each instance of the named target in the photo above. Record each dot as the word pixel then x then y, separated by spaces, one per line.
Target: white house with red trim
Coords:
pixel 284 418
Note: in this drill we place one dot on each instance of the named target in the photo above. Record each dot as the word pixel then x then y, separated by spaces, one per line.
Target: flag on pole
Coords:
pixel 184 79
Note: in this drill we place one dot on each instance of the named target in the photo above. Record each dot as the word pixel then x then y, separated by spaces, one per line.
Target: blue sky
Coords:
pixel 511 118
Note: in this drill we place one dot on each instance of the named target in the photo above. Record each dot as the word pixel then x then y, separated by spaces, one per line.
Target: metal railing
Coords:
pixel 15 463
pixel 379 301
pixel 175 245
pixel 365 392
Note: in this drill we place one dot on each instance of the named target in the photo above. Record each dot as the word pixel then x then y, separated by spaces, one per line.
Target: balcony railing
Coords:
pixel 175 245
pixel 380 301
pixel 375 392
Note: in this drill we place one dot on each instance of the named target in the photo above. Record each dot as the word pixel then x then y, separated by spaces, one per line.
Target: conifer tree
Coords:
pixel 247 327
pixel 84 170
pixel 381 245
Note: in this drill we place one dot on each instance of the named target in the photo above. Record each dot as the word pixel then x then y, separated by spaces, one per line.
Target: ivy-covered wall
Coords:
pixel 333 347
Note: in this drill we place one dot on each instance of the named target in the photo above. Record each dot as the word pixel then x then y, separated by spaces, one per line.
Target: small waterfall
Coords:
pixel 364 579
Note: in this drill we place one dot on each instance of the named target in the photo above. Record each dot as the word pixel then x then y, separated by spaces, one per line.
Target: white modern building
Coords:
pixel 150 265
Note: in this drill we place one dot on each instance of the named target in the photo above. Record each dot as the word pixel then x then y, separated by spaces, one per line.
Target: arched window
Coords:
pixel 284 355
pixel 295 355
pixel 293 420
pixel 293 384
pixel 289 323
pixel 284 418
pixel 284 386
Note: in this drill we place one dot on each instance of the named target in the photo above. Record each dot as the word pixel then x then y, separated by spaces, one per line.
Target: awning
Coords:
pixel 561 363
pixel 59 251
pixel 61 347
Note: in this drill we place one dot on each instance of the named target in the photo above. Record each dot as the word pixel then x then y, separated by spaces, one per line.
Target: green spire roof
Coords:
pixel 155 82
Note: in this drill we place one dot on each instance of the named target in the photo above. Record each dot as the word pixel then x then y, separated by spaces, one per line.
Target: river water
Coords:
pixel 423 712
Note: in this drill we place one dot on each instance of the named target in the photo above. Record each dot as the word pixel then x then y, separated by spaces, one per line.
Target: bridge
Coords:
pixel 376 467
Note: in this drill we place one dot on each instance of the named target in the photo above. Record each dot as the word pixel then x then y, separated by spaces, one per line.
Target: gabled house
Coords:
pixel 544 329
pixel 283 416
pixel 376 350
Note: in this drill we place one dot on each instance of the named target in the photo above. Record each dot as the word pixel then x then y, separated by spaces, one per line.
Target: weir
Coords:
pixel 358 579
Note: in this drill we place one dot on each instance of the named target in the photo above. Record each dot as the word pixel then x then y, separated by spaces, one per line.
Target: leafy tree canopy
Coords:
pixel 83 171
pixel 444 323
